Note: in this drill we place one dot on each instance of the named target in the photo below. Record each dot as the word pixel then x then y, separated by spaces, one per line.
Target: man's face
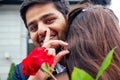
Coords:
pixel 40 17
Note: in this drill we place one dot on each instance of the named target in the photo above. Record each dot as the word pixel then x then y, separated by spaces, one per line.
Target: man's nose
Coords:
pixel 42 29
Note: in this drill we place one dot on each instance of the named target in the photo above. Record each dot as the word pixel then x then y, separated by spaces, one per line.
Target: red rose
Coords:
pixel 33 62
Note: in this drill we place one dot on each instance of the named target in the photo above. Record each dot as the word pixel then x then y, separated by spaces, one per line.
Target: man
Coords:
pixel 46 23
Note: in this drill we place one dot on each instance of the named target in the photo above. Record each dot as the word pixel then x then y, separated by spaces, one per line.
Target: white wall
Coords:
pixel 115 6
pixel 13 37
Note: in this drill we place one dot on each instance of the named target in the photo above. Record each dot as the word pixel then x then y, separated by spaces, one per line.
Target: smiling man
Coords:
pixel 47 24
pixel 39 18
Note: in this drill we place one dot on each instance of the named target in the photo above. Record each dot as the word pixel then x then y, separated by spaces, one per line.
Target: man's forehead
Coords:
pixel 41 18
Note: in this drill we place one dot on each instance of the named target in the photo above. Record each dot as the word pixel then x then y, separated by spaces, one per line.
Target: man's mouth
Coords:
pixel 42 38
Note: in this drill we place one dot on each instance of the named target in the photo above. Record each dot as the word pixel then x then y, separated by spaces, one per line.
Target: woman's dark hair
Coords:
pixel 92 33
pixel 60 5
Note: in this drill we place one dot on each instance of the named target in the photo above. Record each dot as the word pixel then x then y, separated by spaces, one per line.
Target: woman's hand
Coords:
pixel 51 44
pixel 40 75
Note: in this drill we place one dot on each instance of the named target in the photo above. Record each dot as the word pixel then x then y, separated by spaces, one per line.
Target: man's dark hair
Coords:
pixel 61 5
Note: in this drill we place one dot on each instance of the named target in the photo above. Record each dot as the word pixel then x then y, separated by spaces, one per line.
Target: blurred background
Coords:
pixel 15 42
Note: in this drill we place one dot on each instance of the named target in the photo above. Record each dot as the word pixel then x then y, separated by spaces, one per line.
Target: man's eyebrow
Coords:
pixel 46 15
pixel 42 17
pixel 30 23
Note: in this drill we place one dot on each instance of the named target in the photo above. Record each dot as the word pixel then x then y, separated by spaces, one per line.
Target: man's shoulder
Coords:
pixel 18 75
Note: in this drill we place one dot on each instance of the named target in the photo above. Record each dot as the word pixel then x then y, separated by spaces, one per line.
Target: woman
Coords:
pixel 93 32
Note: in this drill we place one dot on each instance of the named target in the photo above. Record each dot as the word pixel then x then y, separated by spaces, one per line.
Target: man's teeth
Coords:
pixel 52 37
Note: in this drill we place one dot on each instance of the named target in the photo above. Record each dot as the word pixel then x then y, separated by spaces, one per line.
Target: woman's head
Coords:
pixel 93 32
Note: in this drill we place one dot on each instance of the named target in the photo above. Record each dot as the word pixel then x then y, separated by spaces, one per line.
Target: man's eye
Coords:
pixel 33 28
pixel 49 21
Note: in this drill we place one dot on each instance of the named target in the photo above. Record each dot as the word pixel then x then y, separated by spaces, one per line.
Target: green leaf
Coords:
pixel 105 63
pixel 79 74
pixel 11 71
pixel 45 67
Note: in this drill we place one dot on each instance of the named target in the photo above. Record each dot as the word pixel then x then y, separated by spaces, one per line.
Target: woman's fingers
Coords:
pixel 51 51
pixel 47 37
pixel 54 43
pixel 59 56
pixel 40 75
